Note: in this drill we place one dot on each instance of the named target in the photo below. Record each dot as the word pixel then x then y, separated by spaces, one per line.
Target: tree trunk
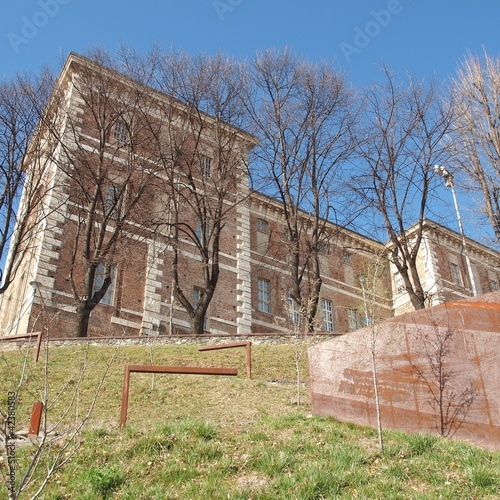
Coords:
pixel 83 317
pixel 197 323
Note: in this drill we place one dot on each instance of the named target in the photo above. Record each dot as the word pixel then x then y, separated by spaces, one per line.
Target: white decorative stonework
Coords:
pixel 244 283
pixel 152 316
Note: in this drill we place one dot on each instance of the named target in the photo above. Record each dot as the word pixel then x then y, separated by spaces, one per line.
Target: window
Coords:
pixel 347 257
pixel 111 197
pixel 456 276
pixel 264 290
pixel 120 132
pixel 323 247
pixel 202 226
pixel 494 286
pixel 99 281
pixel 293 311
pixel 262 225
pixel 353 317
pixel 197 293
pixel 367 320
pixel 197 229
pixel 263 236
pixel 205 165
pixel 326 305
pixel 400 284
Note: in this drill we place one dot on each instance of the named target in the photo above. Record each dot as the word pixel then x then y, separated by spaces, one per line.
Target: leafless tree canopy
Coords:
pixel 186 140
pixel 303 114
pixel 404 128
pixel 109 172
pixel 204 161
pixel 22 144
pixel 476 100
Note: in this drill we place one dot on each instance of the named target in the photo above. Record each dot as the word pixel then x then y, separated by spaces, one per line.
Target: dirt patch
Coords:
pixel 252 482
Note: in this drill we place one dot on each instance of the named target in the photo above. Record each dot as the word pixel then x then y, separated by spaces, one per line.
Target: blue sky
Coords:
pixel 427 37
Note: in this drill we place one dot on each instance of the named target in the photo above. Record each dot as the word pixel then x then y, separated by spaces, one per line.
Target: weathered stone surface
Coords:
pixel 406 350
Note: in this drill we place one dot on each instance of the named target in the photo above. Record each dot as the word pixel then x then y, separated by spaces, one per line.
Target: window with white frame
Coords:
pixel 205 165
pixel 200 227
pixel 367 320
pixel 262 225
pixel 263 236
pixel 293 310
pixel 120 132
pixel 327 308
pixel 264 295
pixel 353 318
pixel 456 275
pixel 346 257
pixel 323 247
pixel 111 197
pixel 99 281
pixel 399 283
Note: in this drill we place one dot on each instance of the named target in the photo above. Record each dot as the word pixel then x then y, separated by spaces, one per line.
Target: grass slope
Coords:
pixel 203 437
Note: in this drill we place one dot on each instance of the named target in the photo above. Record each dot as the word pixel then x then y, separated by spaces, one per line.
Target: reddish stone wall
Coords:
pixel 341 379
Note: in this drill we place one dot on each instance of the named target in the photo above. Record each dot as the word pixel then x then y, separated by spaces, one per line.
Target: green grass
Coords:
pixel 197 437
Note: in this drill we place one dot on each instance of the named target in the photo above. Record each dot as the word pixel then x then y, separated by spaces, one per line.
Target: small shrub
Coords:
pixel 481 477
pixel 104 481
pixel 420 444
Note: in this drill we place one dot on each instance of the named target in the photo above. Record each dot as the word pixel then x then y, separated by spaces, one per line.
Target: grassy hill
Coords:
pixel 205 437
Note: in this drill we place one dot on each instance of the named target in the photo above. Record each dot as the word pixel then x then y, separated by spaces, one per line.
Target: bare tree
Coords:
pixel 450 397
pixel 66 408
pixel 369 285
pixel 303 114
pixel 24 156
pixel 204 158
pixel 404 128
pixel 476 91
pixel 108 171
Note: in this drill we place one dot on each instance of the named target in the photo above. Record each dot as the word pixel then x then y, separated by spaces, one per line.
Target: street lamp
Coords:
pixel 448 177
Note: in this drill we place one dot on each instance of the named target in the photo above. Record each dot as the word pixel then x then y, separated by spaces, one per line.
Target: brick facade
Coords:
pixel 252 292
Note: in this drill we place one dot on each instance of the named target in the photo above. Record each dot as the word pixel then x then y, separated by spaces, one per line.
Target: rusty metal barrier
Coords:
pixel 183 370
pixel 38 336
pixel 36 417
pixel 248 345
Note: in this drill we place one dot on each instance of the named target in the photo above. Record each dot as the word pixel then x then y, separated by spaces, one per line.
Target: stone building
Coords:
pixel 442 265
pixel 252 293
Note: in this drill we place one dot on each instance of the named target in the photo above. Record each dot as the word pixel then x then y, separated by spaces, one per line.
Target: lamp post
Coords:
pixel 448 177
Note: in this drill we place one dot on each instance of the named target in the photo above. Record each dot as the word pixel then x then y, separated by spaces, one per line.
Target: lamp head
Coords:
pixel 445 174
